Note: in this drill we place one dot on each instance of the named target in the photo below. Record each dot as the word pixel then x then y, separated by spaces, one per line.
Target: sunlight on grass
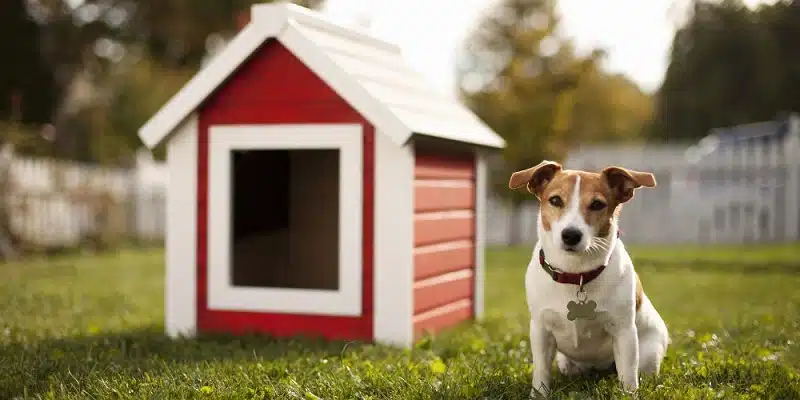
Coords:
pixel 92 327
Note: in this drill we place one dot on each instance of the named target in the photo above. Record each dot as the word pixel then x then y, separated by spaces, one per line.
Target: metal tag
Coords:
pixel 581 310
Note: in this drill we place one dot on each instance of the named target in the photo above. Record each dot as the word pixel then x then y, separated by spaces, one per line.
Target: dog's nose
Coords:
pixel 571 236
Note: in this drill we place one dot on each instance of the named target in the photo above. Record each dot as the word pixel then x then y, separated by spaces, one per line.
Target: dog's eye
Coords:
pixel 597 205
pixel 556 201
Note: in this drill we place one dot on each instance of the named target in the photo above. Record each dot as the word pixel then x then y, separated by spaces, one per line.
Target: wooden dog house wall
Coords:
pixel 319 187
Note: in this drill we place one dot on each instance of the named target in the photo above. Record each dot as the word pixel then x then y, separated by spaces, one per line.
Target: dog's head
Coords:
pixel 579 209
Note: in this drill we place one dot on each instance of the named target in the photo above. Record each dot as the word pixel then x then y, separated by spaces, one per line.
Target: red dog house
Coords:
pixel 319 187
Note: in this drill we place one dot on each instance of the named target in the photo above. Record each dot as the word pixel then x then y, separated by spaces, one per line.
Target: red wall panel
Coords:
pixel 273 87
pixel 444 239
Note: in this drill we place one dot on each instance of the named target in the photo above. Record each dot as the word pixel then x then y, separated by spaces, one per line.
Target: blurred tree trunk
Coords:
pixel 26 80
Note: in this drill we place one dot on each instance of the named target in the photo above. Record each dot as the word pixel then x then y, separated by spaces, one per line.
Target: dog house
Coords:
pixel 319 187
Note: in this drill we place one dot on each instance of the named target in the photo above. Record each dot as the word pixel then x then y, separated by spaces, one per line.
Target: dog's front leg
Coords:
pixel 626 356
pixel 543 351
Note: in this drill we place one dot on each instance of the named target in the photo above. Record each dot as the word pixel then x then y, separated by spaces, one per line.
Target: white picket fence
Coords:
pixel 735 196
pixel 55 203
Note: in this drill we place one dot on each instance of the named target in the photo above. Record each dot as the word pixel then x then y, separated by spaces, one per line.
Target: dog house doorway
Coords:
pixel 284 218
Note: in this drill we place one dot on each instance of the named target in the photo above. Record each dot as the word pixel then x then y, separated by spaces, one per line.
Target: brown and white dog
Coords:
pixel 588 309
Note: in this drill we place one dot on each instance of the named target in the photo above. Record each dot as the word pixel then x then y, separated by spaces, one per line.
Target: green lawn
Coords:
pixel 91 327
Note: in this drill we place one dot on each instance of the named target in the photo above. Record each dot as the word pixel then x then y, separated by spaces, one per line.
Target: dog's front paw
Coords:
pixel 568 367
pixel 630 385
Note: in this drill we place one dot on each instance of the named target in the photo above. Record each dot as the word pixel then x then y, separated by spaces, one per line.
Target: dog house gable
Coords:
pixel 306 125
pixel 274 114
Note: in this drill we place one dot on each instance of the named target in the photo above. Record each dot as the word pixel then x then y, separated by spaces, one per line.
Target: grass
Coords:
pixel 91 327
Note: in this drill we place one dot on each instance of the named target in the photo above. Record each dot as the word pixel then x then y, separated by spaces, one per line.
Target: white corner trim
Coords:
pixel 222 295
pixel 344 84
pixel 394 243
pixel 481 197
pixel 181 243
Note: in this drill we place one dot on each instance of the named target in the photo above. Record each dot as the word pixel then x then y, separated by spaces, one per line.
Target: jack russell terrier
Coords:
pixel 588 309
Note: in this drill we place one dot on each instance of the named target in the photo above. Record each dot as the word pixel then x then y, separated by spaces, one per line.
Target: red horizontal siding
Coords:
pixel 442 290
pixel 437 260
pixel 440 318
pixel 428 166
pixel 431 228
pixel 444 196
pixel 444 240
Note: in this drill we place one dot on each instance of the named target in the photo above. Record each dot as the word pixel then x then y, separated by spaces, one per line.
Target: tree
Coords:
pixel 781 21
pixel 531 87
pixel 729 65
pixel 136 93
pixel 174 33
pixel 94 46
pixel 608 107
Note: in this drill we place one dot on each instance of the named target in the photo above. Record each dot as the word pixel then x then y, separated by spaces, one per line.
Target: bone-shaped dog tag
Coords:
pixel 581 310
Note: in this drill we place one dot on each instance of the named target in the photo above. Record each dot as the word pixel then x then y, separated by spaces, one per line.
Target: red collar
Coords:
pixel 571 278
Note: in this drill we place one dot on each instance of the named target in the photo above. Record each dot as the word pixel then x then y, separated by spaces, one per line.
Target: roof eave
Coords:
pixel 278 20
pixel 494 143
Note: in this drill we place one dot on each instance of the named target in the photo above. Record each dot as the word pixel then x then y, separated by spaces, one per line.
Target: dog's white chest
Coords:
pixel 582 340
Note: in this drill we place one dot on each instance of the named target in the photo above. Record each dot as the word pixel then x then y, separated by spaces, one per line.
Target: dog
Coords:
pixel 587 306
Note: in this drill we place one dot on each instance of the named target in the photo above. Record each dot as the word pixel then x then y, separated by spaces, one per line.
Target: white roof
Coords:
pixel 367 72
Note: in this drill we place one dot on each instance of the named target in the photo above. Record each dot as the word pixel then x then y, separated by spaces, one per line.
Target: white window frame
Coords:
pixel 222 295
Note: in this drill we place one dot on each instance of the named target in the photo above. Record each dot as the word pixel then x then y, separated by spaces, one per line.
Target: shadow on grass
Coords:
pixel 30 368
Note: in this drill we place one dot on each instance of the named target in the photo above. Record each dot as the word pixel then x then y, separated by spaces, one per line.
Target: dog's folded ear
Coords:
pixel 623 181
pixel 535 178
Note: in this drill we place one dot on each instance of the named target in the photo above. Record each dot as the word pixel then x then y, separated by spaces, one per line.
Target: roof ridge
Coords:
pixel 399 102
pixel 321 21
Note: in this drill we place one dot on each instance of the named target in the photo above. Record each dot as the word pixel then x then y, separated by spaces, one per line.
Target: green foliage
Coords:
pixel 189 23
pixel 175 33
pixel 531 87
pixel 729 65
pixel 91 44
pixel 137 91
pixel 733 323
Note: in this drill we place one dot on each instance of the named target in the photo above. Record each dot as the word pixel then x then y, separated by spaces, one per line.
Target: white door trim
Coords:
pixel 222 295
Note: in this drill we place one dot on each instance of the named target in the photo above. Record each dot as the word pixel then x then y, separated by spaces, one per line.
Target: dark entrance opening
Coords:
pixel 285 219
